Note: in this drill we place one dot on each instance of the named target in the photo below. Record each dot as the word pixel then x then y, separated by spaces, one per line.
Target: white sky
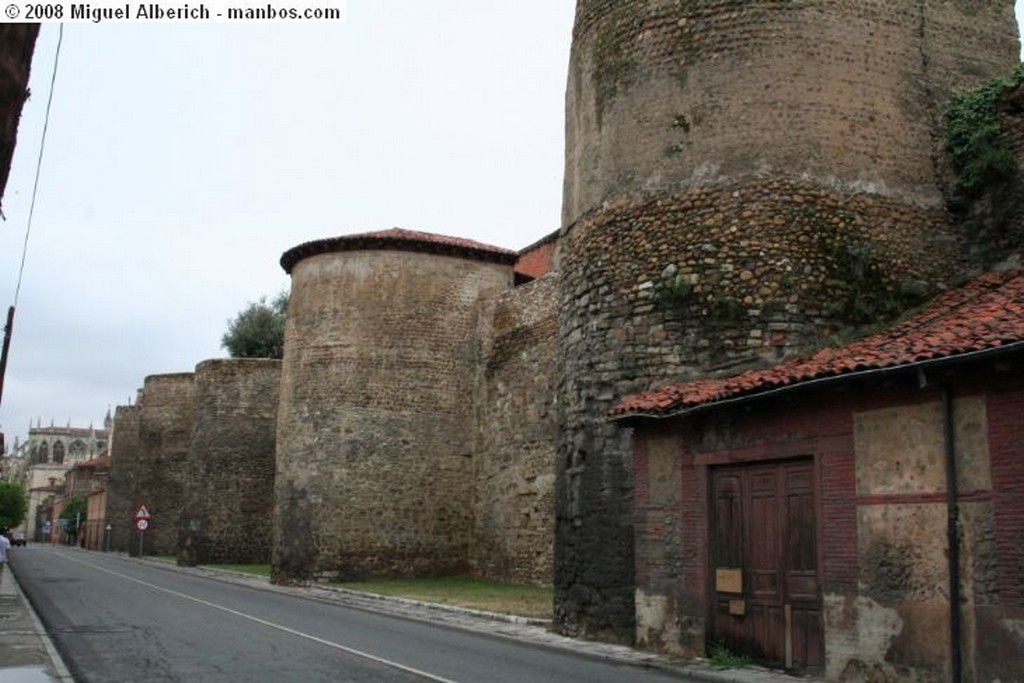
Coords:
pixel 181 161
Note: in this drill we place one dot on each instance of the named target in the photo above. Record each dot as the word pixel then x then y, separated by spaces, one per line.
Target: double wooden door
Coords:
pixel 765 589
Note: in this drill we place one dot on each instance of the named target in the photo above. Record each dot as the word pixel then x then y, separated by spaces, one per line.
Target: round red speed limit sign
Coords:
pixel 141 524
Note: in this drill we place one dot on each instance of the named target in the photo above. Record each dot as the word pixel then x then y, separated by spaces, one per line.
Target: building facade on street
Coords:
pixel 825 513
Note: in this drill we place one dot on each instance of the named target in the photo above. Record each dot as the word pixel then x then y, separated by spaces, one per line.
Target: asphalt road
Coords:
pixel 114 619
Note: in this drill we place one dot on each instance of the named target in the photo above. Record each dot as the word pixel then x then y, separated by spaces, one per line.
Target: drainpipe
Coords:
pixel 952 529
pixel 953 539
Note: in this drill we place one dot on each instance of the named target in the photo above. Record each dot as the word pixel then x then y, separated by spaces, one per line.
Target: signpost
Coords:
pixel 142 517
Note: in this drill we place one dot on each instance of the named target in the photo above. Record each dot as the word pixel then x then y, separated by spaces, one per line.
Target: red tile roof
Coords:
pixel 986 313
pixel 401 240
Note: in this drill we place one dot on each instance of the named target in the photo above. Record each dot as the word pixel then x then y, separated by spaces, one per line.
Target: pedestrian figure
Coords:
pixel 5 545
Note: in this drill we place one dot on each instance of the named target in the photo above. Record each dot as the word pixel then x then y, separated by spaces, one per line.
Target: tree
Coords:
pixel 258 330
pixel 13 504
pixel 74 517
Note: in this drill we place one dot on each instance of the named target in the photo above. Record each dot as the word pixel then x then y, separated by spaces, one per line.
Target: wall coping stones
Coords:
pixel 399 239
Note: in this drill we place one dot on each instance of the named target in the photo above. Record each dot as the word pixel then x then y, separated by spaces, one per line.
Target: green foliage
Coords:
pixel 258 330
pixel 672 289
pixel 979 154
pixel 74 515
pixel 723 658
pixel 13 504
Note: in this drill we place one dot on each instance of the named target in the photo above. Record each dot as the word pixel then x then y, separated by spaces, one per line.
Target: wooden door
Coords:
pixel 765 592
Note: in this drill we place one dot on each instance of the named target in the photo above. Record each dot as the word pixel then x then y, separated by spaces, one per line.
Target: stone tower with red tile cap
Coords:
pixel 375 432
pixel 742 179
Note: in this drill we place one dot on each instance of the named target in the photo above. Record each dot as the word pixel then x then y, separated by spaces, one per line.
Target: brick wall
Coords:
pixel 375 432
pixel 539 258
pixel 516 428
pixel 742 180
pixel 229 485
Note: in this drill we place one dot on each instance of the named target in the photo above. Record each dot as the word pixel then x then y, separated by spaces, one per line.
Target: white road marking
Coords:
pixel 269 624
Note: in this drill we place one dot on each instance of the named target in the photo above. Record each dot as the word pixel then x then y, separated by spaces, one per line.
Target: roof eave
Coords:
pixel 685 411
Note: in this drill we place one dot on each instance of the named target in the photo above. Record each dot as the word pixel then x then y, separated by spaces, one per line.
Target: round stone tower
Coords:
pixel 375 437
pixel 743 179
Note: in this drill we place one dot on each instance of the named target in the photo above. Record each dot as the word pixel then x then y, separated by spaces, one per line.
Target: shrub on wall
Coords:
pixel 980 155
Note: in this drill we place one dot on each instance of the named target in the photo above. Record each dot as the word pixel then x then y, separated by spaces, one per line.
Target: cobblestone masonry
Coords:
pixel 375 433
pixel 742 179
pixel 229 486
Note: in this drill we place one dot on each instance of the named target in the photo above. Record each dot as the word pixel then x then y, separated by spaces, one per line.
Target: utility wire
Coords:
pixel 39 164
pixel 9 327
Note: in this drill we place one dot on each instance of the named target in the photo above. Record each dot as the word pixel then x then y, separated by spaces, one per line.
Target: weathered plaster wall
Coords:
pixel 742 179
pixel 229 485
pixel 901 532
pixel 516 428
pixel 375 435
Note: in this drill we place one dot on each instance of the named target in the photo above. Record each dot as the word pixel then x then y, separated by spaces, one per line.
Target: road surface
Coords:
pixel 116 619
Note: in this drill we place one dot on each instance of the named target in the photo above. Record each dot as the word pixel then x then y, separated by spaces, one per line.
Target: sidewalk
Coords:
pixel 26 653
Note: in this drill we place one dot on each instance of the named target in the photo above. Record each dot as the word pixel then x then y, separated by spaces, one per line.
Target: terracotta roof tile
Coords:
pixel 402 240
pixel 986 313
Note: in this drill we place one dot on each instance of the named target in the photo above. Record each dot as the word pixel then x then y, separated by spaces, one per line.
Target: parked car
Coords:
pixel 18 539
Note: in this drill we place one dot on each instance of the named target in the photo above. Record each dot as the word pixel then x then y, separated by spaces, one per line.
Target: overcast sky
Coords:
pixel 181 161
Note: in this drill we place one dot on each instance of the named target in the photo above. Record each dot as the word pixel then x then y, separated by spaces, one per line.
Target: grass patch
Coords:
pixel 723 658
pixel 255 569
pixel 490 596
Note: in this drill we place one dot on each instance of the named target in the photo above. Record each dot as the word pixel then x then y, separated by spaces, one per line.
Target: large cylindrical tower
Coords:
pixel 375 435
pixel 743 178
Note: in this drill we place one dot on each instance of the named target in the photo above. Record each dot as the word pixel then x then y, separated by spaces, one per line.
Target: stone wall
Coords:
pixel 663 95
pixel 126 470
pixel 517 430
pixel 375 432
pixel 229 485
pixel 149 453
pixel 742 180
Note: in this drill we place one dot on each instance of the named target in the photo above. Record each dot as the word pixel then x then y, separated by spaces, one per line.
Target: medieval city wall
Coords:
pixel 149 453
pixel 375 432
pixel 126 470
pixel 516 436
pixel 742 180
pixel 229 484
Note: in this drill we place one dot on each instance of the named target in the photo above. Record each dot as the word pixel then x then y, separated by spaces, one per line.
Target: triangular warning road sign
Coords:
pixel 142 512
